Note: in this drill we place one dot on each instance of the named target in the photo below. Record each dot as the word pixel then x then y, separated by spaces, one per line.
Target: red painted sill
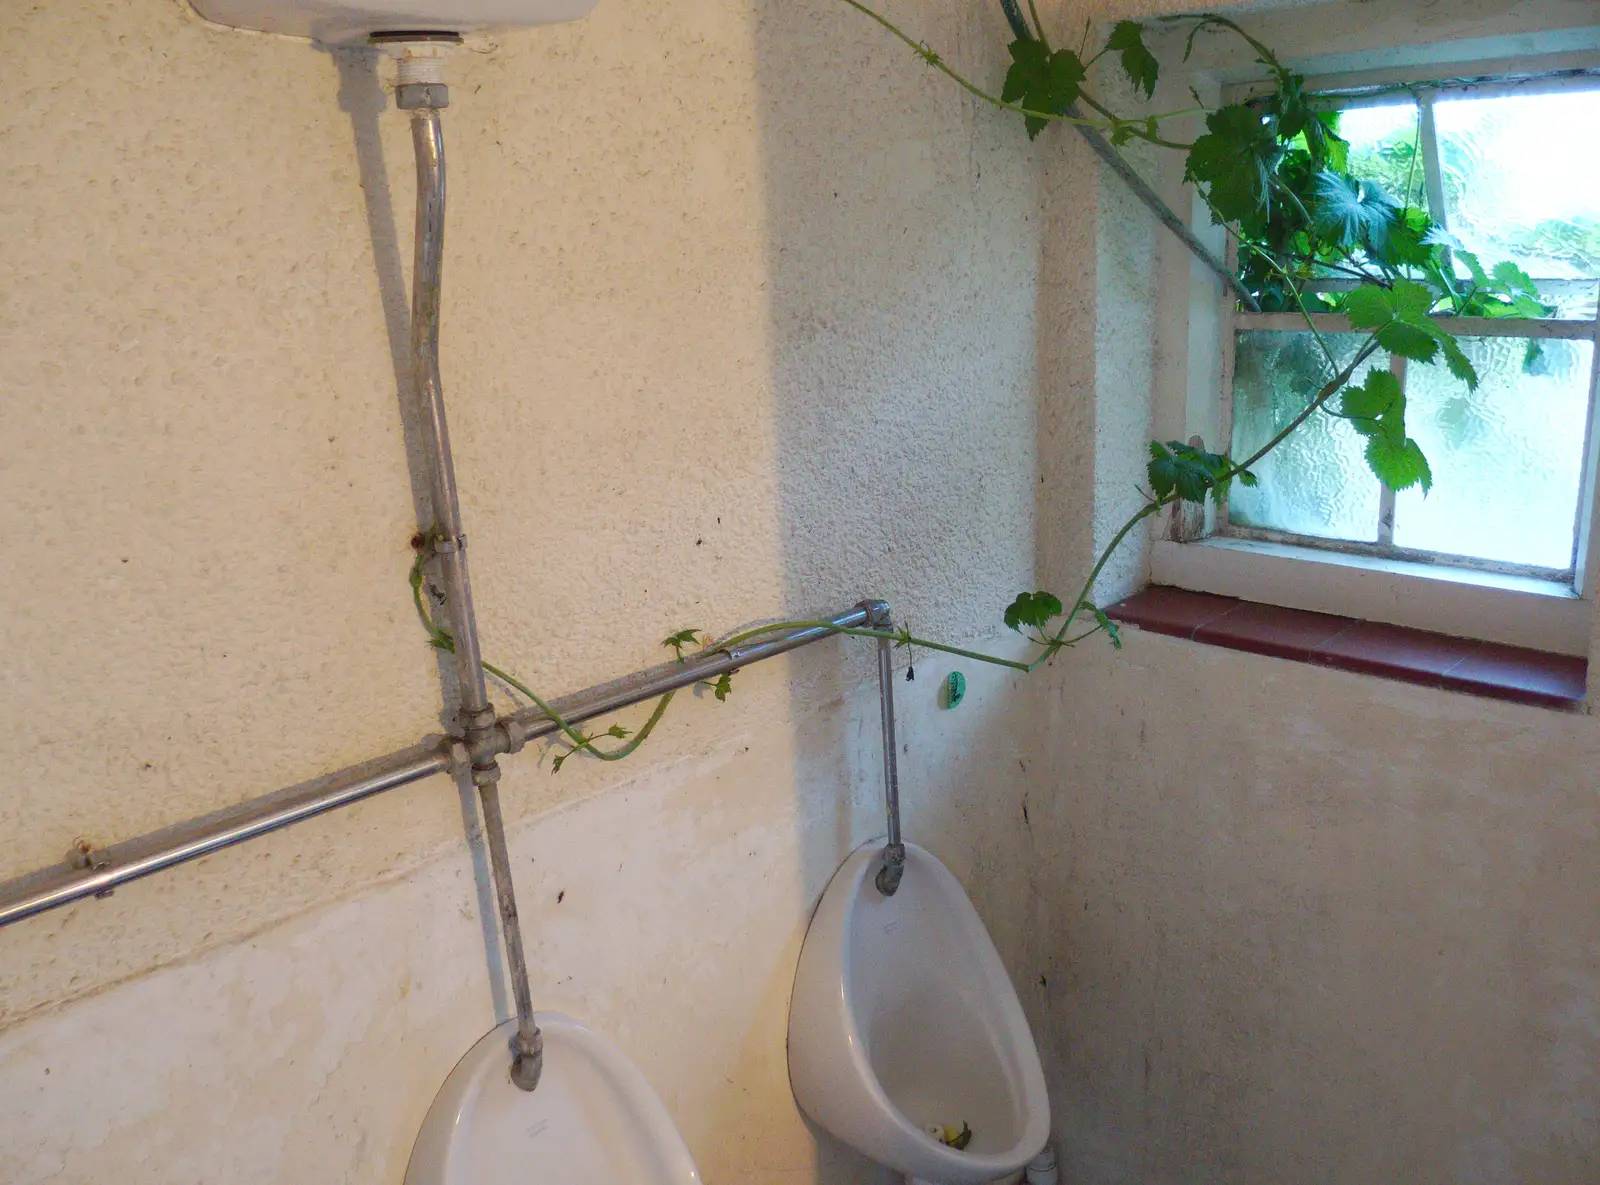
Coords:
pixel 1368 647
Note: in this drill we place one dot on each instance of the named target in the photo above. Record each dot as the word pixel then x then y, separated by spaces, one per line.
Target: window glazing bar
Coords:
pixel 1542 327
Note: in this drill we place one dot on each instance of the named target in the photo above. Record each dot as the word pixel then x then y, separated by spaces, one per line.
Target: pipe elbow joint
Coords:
pixel 878 616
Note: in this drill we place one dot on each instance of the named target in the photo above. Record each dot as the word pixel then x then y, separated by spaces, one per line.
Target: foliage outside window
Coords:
pixel 1514 204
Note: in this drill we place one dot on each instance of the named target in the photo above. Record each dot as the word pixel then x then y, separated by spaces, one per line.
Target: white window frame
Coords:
pixel 1538 608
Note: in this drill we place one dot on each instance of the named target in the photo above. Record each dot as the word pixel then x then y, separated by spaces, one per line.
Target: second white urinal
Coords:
pixel 903 1018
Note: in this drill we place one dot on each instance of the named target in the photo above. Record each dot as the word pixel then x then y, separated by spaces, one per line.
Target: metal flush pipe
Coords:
pixel 97 872
pixel 894 853
pixel 423 93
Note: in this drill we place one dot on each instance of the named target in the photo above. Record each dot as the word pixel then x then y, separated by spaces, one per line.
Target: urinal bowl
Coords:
pixel 593 1120
pixel 903 1017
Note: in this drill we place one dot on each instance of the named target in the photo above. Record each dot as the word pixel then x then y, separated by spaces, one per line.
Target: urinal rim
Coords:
pixel 461 1083
pixel 864 859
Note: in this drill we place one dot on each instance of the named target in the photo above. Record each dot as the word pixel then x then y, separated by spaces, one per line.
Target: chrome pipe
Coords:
pixel 894 852
pixel 95 873
pixel 448 542
pixel 530 724
pixel 449 545
pixel 101 870
pixel 527 1046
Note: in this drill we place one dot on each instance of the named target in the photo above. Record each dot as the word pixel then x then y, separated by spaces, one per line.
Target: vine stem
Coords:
pixel 902 638
pixel 1038 25
pixel 1146 136
pixel 1059 639
pixel 972 88
pixel 441 639
pixel 581 742
pixel 1050 643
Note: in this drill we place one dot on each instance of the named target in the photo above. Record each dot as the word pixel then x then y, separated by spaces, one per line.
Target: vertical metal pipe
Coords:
pixel 894 854
pixel 449 542
pixel 449 545
pixel 527 1049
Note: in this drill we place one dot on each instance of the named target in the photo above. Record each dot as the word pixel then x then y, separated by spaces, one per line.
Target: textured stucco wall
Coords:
pixel 740 321
pixel 1297 925
pixel 746 314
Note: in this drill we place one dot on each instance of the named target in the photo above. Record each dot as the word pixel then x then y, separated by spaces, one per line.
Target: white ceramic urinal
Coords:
pixel 904 1018
pixel 593 1120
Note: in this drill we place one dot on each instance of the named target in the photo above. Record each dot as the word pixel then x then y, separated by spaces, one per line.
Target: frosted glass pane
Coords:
pixel 1506 458
pixel 1383 148
pixel 1574 300
pixel 1317 481
pixel 1522 180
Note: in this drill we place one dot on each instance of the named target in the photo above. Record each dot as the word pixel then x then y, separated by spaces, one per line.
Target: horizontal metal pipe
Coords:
pixel 109 867
pixel 531 723
pixel 135 858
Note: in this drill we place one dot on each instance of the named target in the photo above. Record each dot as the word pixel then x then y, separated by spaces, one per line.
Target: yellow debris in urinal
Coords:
pixel 951 1137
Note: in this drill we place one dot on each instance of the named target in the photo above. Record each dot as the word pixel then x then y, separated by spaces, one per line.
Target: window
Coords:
pixel 1508 168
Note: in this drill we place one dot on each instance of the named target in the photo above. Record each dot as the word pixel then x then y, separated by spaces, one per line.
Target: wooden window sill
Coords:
pixel 1367 647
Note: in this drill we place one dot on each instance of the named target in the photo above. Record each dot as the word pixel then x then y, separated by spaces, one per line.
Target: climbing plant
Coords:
pixel 1274 172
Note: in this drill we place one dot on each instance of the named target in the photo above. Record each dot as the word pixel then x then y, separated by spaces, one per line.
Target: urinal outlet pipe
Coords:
pixel 894 854
pixel 424 97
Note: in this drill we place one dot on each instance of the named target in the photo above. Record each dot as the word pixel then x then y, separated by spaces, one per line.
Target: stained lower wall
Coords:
pixel 1313 926
pixel 667 911
pixel 1296 925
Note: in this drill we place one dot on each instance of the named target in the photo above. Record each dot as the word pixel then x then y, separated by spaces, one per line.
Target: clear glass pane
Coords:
pixel 1383 148
pixel 1317 481
pixel 1506 458
pixel 1522 180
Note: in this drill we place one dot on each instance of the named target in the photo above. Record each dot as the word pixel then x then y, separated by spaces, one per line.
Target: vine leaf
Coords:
pixel 1406 243
pixel 1191 473
pixel 1296 117
pixel 723 687
pixel 1234 160
pixel 1399 465
pixel 1377 410
pixel 1042 81
pixel 1127 39
pixel 681 639
pixel 1354 213
pixel 1399 318
pixel 1511 277
pixel 1035 609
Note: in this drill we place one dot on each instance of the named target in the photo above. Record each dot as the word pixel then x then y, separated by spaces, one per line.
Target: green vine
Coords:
pixel 1274 173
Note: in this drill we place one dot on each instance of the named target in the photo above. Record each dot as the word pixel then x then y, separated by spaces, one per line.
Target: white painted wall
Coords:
pixel 746 314
pixel 1299 925
pixel 731 292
